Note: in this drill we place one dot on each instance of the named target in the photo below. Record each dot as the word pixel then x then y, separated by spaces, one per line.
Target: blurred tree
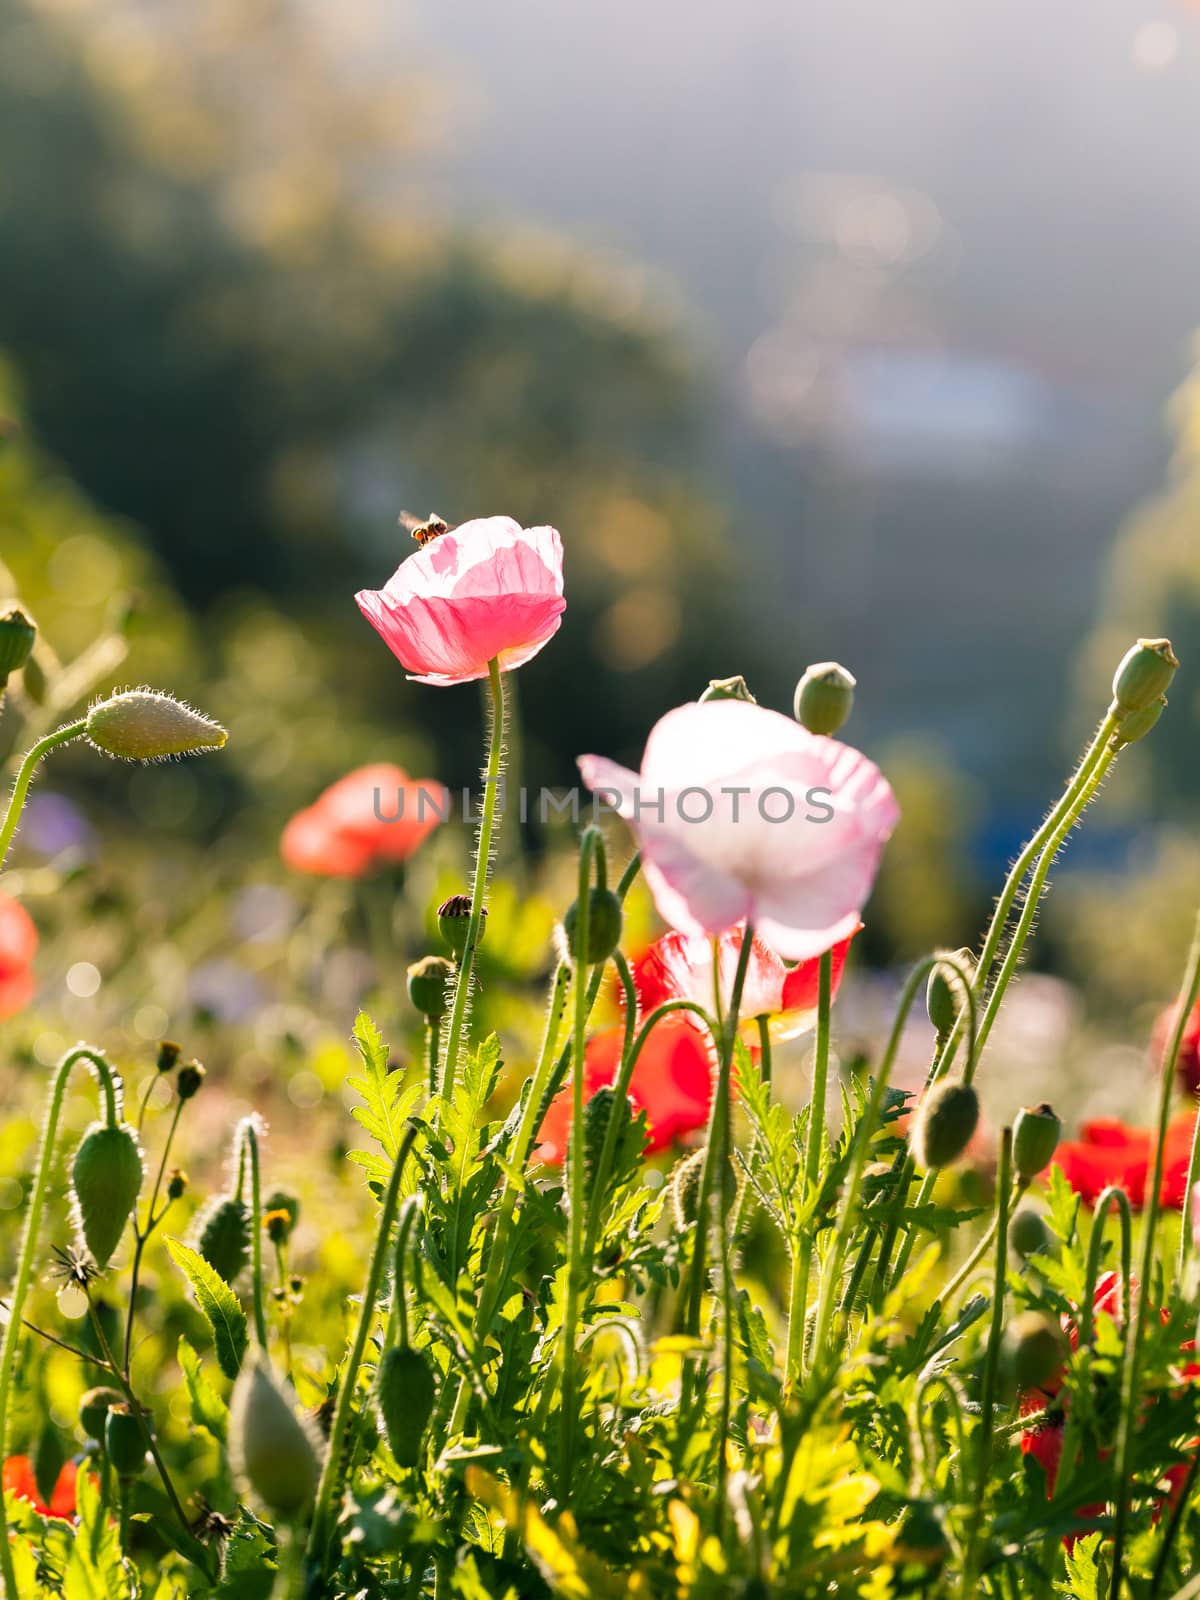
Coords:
pixel 236 326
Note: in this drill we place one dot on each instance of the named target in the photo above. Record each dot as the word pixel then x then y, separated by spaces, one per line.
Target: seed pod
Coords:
pixel 1036 1132
pixel 1145 673
pixel 428 981
pixel 454 923
pixel 1032 1352
pixel 93 1411
pixel 603 926
pixel 17 638
pixel 824 697
pixel 124 1441
pixel 944 995
pixel 1028 1233
pixel 106 1179
pixel 734 688
pixel 143 725
pixel 1135 725
pixel 274 1449
pixel 404 1394
pixel 945 1123
pixel 189 1080
pixel 223 1235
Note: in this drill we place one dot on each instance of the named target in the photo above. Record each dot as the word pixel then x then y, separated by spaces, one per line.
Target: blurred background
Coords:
pixel 830 330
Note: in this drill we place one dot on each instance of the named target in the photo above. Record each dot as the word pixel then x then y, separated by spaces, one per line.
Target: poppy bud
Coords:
pixel 728 689
pixel 142 725
pixel 945 1123
pixel 428 980
pixel 223 1236
pixel 187 1084
pixel 106 1179
pixel 603 926
pixel 94 1407
pixel 1144 674
pixel 1036 1132
pixel 1032 1351
pixel 824 697
pixel 944 997
pixel 168 1055
pixel 454 922
pixel 177 1184
pixel 17 637
pixel 685 1188
pixel 274 1449
pixel 404 1394
pixel 124 1441
pixel 1135 725
pixel 1028 1233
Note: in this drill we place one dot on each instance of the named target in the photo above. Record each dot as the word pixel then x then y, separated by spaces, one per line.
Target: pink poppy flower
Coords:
pixel 679 966
pixel 743 815
pixel 373 816
pixel 18 946
pixel 488 589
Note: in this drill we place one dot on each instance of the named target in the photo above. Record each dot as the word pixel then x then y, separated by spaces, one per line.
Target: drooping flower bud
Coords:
pixel 94 1407
pixel 1135 725
pixel 106 1179
pixel 274 1449
pixel 945 1123
pixel 124 1441
pixel 222 1233
pixel 728 689
pixel 17 638
pixel 191 1077
pixel 603 926
pixel 1036 1132
pixel 824 697
pixel 454 922
pixel 1028 1233
pixel 143 725
pixel 428 980
pixel 405 1395
pixel 1144 674
pixel 944 993
pixel 1032 1352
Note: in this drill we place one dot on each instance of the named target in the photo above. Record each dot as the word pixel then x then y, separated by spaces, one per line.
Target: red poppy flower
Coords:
pixel 1109 1152
pixel 18 945
pixel 680 966
pixel 20 1480
pixel 373 816
pixel 1187 1064
pixel 672 1083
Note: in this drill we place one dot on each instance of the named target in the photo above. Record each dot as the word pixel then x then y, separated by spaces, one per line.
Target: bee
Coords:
pixel 423 531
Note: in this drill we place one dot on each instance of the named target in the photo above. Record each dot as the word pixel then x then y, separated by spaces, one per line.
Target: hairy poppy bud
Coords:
pixel 728 689
pixel 223 1236
pixel 945 1123
pixel 1032 1351
pixel 428 980
pixel 1144 674
pixel 177 1184
pixel 685 1188
pixel 404 1393
pixel 1135 725
pixel 17 638
pixel 94 1407
pixel 603 926
pixel 824 697
pixel 944 996
pixel 168 1055
pixel 106 1179
pixel 274 1449
pixel 187 1084
pixel 142 725
pixel 1028 1233
pixel 124 1441
pixel 1036 1133
pixel 454 922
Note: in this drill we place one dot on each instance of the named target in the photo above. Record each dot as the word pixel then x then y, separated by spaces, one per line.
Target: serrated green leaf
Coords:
pixel 219 1304
pixel 250 1565
pixel 95 1569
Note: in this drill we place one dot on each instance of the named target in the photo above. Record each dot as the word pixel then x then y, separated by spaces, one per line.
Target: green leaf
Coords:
pixel 219 1304
pixel 388 1102
pixel 209 1411
pixel 95 1570
pixel 251 1565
